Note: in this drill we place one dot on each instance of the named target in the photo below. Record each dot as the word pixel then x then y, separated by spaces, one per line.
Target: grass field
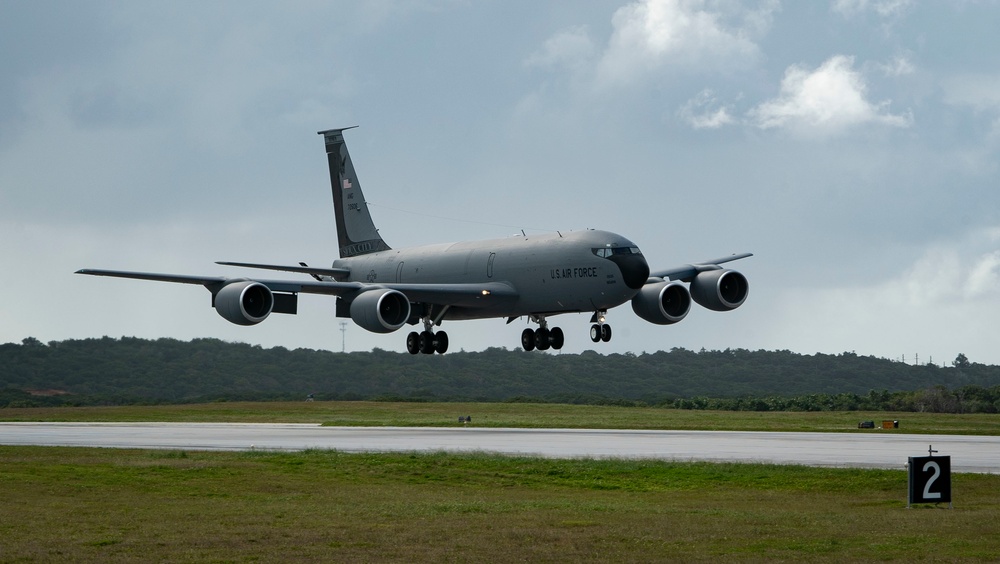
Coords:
pixel 516 415
pixel 114 505
pixel 100 505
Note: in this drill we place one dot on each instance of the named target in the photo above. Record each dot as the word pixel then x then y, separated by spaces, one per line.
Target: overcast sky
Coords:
pixel 851 145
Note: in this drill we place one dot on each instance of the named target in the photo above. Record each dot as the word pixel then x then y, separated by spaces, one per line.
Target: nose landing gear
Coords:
pixel 599 331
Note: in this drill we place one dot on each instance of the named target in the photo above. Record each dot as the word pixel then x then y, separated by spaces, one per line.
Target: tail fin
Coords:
pixel 356 232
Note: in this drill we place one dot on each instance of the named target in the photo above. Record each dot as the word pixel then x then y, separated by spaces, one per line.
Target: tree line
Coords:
pixel 128 370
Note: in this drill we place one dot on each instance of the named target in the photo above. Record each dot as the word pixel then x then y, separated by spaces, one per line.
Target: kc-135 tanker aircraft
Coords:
pixel 382 289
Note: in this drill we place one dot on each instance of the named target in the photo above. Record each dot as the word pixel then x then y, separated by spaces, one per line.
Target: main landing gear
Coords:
pixel 427 341
pixel 542 338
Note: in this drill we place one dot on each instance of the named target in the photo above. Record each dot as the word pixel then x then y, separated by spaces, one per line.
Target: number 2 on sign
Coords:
pixel 928 494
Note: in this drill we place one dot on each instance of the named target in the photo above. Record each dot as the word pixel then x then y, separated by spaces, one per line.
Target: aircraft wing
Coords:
pixel 688 271
pixel 443 294
pixel 456 294
pixel 176 278
pixel 303 269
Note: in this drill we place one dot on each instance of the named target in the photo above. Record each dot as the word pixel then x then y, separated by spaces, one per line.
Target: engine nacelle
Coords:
pixel 244 303
pixel 662 303
pixel 720 290
pixel 381 311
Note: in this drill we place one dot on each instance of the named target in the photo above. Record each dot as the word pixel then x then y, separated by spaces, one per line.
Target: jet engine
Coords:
pixel 380 311
pixel 720 290
pixel 662 303
pixel 244 303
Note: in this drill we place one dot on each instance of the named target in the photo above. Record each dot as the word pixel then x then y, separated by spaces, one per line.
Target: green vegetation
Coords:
pixel 135 371
pixel 537 415
pixel 99 505
pixel 103 505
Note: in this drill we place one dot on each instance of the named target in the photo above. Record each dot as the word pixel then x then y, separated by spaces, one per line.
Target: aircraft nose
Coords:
pixel 635 270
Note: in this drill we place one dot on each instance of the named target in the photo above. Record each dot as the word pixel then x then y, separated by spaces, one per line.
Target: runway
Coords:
pixel 881 449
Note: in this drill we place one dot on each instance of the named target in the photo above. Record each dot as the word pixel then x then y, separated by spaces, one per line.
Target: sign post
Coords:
pixel 929 479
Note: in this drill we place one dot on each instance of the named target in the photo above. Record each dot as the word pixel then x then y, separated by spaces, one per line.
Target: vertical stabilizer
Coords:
pixel 356 232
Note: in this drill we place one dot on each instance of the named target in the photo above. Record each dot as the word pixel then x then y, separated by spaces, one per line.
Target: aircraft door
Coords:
pixel 489 265
pixel 399 272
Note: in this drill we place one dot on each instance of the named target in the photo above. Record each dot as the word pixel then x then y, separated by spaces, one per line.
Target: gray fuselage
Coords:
pixel 551 273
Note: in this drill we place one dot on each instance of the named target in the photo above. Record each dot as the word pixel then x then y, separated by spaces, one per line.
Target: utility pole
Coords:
pixel 343 336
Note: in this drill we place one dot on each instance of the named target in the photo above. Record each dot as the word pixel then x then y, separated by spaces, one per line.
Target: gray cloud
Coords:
pixel 165 137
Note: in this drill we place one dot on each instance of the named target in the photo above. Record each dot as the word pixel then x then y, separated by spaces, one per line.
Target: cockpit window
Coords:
pixel 605 252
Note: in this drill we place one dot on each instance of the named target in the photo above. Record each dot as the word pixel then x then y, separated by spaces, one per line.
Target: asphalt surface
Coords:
pixel 877 449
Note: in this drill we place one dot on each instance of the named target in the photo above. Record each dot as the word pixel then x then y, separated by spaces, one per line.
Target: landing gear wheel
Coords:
pixel 605 332
pixel 413 343
pixel 528 340
pixel 426 342
pixel 440 342
pixel 556 338
pixel 595 333
pixel 542 338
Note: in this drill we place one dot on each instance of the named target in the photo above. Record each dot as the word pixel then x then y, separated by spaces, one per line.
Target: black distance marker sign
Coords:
pixel 930 479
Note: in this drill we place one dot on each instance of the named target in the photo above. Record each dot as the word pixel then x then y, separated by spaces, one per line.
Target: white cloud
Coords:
pixel 978 91
pixel 984 276
pixel 898 66
pixel 705 112
pixel 829 99
pixel 651 34
pixel 884 8
pixel 946 275
pixel 571 48
pixel 938 306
